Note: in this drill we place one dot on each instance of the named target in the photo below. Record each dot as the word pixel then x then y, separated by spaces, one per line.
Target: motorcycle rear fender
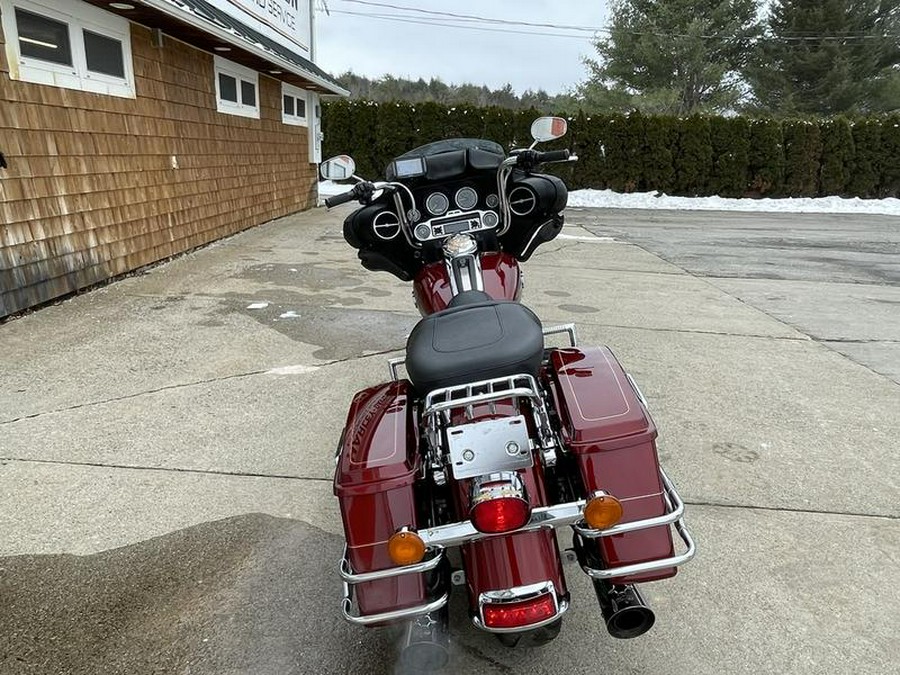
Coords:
pixel 520 559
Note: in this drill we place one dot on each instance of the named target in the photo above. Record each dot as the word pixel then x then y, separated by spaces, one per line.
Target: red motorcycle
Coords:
pixel 462 473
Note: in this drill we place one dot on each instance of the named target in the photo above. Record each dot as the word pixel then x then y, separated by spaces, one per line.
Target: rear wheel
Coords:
pixel 528 639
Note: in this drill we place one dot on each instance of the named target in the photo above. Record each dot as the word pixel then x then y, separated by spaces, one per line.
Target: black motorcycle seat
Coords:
pixel 474 342
pixel 469 298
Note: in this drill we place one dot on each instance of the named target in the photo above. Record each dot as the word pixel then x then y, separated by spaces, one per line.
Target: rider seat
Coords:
pixel 475 338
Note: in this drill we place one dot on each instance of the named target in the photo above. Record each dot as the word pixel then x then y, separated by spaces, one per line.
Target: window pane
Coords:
pixel 301 107
pixel 104 54
pixel 248 93
pixel 227 88
pixel 288 105
pixel 43 38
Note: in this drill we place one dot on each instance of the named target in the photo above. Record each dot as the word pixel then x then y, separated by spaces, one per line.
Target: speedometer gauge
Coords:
pixel 466 198
pixel 437 203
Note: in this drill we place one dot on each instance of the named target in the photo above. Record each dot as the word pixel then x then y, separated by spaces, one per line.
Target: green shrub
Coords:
pixel 837 156
pixel 865 174
pixel 766 158
pixel 802 156
pixel 694 157
pixel 730 140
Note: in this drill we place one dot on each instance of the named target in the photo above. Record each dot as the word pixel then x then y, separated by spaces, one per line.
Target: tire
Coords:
pixel 530 639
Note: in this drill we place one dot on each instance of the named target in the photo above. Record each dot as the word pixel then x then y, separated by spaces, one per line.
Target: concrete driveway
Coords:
pixel 165 496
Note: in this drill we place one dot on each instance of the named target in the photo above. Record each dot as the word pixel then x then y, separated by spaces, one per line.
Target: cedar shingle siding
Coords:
pixel 90 192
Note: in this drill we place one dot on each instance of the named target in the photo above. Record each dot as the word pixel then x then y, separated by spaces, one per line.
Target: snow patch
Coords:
pixel 258 305
pixel 289 315
pixel 292 370
pixel 655 200
pixel 575 237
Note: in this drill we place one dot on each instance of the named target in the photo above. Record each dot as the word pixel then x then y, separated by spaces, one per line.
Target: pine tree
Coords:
pixel 662 56
pixel 827 57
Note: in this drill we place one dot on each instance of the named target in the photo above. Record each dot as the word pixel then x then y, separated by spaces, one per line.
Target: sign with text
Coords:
pixel 285 21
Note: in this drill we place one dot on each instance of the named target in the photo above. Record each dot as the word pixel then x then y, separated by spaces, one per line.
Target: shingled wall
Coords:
pixel 90 191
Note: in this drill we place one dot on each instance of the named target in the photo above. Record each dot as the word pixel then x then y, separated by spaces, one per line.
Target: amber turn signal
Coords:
pixel 406 547
pixel 602 511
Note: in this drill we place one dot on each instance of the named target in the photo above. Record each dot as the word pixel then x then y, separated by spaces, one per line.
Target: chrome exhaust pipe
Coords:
pixel 426 643
pixel 624 609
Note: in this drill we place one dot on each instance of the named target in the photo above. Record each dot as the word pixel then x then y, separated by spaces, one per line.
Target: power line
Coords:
pixel 426 22
pixel 489 21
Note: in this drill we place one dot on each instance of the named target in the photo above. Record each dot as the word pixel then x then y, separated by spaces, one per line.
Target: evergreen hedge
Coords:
pixel 693 156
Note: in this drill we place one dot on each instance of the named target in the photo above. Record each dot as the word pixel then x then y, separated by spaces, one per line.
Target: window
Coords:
pixel 236 89
pixel 69 44
pixel 293 109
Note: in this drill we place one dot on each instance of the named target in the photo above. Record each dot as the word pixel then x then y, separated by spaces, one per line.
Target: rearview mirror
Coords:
pixel 341 167
pixel 548 128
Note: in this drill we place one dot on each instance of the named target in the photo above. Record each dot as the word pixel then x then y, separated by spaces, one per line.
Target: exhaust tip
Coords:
pixel 624 609
pixel 631 622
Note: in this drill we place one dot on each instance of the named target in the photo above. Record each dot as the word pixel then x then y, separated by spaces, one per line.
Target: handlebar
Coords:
pixel 337 200
pixel 551 156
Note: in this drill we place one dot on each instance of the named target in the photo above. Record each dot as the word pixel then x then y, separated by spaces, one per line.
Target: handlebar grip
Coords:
pixel 337 200
pixel 552 156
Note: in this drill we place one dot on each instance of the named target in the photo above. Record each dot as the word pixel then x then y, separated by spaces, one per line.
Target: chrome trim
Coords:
pixel 376 225
pixel 676 506
pixel 550 517
pixel 394 367
pixel 387 617
pixel 675 513
pixel 567 328
pixel 533 198
pixel 523 385
pixel 438 212
pixel 519 594
pixel 466 189
pixel 637 390
pixel 507 484
pixel 651 566
pixel 348 576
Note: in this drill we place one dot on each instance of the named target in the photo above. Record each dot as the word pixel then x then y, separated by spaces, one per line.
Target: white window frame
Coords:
pixel 79 17
pixel 239 73
pixel 298 95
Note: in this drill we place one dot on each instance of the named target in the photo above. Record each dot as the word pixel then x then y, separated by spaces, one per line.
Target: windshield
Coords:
pixel 449 144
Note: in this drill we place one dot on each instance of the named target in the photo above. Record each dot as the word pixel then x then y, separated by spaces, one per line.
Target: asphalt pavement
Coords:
pixel 166 450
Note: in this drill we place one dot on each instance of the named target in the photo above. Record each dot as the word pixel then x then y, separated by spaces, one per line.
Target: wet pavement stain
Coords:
pixel 309 276
pixel 339 332
pixel 250 594
pixel 579 309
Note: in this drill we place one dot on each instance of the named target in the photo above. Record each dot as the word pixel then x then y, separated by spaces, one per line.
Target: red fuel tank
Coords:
pixel 500 271
pixel 611 433
pixel 374 481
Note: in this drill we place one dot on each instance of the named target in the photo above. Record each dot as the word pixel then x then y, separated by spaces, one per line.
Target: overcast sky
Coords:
pixel 375 47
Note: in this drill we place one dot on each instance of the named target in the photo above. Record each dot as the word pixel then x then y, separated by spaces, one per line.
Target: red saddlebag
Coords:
pixel 610 431
pixel 374 480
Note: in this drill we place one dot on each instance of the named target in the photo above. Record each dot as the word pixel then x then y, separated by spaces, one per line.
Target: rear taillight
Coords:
pixel 499 503
pixel 520 614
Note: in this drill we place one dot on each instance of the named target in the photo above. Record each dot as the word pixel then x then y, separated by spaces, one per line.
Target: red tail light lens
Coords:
pixel 519 614
pixel 501 514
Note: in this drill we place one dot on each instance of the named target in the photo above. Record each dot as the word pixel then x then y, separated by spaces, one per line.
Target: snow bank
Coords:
pixel 653 200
